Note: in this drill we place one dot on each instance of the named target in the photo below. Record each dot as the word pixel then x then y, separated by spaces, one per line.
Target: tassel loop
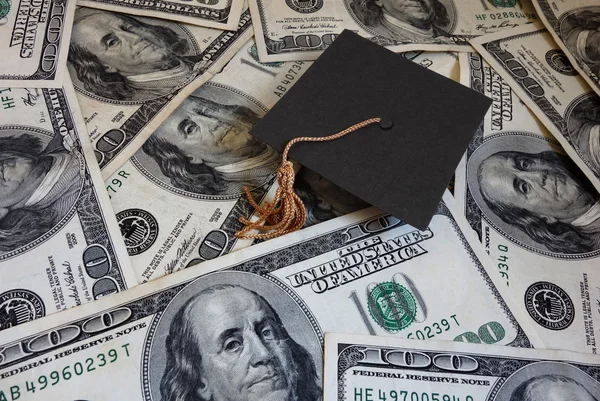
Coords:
pixel 286 213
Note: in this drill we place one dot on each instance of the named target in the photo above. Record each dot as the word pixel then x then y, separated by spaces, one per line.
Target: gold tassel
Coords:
pixel 286 213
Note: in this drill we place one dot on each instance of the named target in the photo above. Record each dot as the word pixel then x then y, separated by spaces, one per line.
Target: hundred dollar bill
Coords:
pixel 367 368
pixel 220 14
pixel 250 325
pixel 131 72
pixel 534 211
pixel 59 242
pixel 529 60
pixel 300 30
pixel 34 38
pixel 574 25
pixel 201 157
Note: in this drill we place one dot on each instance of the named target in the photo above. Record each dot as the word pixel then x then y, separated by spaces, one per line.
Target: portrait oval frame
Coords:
pixel 149 168
pixel 46 136
pixel 513 141
pixel 448 4
pixel 570 118
pixel 285 302
pixel 561 30
pixel 504 390
pixel 179 29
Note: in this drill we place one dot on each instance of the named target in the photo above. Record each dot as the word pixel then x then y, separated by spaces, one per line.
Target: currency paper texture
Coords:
pixel 444 63
pixel 514 180
pixel 220 14
pixel 34 42
pixel 131 72
pixel 301 30
pixel 363 368
pixel 574 25
pixel 258 315
pixel 529 60
pixel 60 245
pixel 208 191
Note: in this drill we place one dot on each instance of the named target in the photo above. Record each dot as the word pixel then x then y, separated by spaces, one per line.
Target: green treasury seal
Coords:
pixel 253 51
pixel 392 306
pixel 503 3
pixel 4 8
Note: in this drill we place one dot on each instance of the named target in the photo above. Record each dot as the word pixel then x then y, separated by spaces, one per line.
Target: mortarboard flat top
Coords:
pixel 403 170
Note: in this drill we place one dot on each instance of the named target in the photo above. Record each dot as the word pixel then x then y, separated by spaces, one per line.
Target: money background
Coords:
pixel 121 117
pixel 34 39
pixel 202 226
pixel 573 26
pixel 301 31
pixel 62 247
pixel 177 201
pixel 510 130
pixel 357 367
pixel 306 295
pixel 549 85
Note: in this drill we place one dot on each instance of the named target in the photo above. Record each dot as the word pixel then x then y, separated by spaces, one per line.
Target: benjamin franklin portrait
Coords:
pixel 39 183
pixel 583 122
pixel 549 381
pixel 204 146
pixel 128 58
pixel 233 336
pixel 404 20
pixel 535 194
pixel 580 31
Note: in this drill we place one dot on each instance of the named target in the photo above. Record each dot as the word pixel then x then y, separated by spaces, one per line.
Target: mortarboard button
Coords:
pixel 386 123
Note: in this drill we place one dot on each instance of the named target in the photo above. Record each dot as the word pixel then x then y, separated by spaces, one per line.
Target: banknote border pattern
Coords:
pixel 520 339
pixel 137 122
pixel 224 13
pixel 557 120
pixel 488 365
pixel 39 74
pixel 549 14
pixel 231 224
pixel 95 230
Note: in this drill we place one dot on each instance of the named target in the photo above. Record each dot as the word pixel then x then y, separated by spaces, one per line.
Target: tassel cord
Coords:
pixel 286 213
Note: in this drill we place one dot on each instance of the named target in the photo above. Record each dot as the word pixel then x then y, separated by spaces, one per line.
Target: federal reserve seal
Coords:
pixel 19 306
pixel 549 306
pixel 392 306
pixel 139 229
pixel 559 62
pixel 305 6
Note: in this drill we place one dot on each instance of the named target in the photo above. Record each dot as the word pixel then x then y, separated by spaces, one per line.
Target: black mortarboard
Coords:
pixel 403 170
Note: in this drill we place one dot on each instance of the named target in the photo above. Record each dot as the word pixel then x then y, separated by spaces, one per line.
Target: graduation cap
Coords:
pixel 416 127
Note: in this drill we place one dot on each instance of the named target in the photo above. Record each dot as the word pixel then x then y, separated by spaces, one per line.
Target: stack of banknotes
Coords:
pixel 124 151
